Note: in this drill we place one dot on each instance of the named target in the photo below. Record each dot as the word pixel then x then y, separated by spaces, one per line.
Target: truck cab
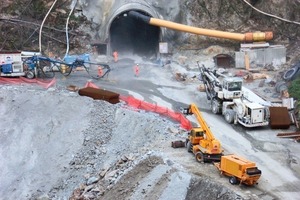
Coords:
pixel 232 87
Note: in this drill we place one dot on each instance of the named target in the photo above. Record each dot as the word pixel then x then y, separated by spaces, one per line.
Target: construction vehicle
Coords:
pixel 200 140
pixel 227 98
pixel 239 170
pixel 13 64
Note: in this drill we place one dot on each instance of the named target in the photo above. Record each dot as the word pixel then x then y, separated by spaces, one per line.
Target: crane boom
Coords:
pixel 194 109
pixel 201 140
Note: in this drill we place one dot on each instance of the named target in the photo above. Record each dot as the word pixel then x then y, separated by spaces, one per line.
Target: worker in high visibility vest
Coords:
pixel 100 71
pixel 136 70
pixel 115 55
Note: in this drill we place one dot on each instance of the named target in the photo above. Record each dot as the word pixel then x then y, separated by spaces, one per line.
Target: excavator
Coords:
pixel 200 140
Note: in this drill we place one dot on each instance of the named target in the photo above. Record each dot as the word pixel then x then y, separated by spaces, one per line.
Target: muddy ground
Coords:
pixel 56 144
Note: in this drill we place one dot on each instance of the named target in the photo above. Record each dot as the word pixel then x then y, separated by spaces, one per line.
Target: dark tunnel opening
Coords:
pixel 129 35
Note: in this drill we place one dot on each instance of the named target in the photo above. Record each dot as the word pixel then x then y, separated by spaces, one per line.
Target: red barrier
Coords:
pixel 92 85
pixel 22 80
pixel 135 103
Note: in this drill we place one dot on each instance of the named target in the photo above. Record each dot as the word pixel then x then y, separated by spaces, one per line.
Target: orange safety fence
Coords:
pixel 136 103
pixel 92 85
pixel 139 104
pixel 22 80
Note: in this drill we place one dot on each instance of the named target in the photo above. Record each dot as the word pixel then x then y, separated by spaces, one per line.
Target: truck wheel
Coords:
pixel 30 74
pixel 199 157
pixel 289 75
pixel 189 146
pixel 233 180
pixel 229 116
pixel 215 107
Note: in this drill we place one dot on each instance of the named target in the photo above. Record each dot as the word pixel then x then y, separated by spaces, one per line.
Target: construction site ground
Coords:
pixel 55 144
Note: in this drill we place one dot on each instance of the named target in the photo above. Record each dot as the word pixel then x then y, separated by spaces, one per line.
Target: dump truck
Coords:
pixel 201 140
pixel 226 97
pixel 238 169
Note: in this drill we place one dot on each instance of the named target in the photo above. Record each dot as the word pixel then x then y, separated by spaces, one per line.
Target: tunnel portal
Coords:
pixel 131 36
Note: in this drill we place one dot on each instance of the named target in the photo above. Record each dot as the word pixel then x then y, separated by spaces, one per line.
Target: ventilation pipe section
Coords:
pixel 247 37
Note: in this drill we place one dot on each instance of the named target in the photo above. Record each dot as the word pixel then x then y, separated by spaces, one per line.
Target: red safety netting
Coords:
pixel 136 103
pixel 90 84
pixel 139 104
pixel 22 80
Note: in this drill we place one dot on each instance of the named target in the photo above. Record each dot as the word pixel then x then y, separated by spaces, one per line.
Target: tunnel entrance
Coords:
pixel 131 36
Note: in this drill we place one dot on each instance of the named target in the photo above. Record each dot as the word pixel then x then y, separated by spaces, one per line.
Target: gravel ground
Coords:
pixel 59 141
pixel 56 144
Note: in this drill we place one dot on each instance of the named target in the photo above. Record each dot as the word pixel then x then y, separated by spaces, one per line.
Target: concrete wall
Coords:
pixel 273 55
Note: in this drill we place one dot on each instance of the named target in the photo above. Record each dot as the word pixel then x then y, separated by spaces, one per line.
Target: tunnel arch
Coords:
pixel 127 35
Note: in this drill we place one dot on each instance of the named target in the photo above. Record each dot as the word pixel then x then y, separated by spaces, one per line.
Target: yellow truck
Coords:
pixel 239 169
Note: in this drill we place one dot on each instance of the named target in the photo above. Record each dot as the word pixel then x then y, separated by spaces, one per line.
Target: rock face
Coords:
pixel 92 20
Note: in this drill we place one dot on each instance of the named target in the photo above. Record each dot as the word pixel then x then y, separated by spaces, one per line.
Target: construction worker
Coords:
pixel 100 71
pixel 136 70
pixel 115 55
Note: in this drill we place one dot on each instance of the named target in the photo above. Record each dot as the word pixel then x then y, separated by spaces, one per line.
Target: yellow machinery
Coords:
pixel 244 37
pixel 200 140
pixel 239 169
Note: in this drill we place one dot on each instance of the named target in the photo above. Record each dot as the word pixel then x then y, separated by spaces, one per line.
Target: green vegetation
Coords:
pixel 294 91
pixel 294 88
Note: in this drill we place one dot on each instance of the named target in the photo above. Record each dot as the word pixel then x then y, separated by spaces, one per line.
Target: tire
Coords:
pixel 199 157
pixel 30 74
pixel 216 107
pixel 233 180
pixel 189 146
pixel 280 86
pixel 289 74
pixel 48 72
pixel 45 69
pixel 229 116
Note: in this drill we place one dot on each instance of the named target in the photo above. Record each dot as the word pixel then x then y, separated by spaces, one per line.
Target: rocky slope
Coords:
pixel 236 16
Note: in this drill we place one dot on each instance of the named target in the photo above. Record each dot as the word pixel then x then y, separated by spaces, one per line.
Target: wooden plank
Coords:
pixel 288 135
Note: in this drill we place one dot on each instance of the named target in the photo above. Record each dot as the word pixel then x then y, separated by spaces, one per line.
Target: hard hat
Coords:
pixel 137 64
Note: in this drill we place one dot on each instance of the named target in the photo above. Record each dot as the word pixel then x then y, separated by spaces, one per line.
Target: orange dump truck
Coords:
pixel 239 169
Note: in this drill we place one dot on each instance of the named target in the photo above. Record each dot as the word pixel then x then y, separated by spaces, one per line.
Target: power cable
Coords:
pixel 67 23
pixel 40 34
pixel 270 15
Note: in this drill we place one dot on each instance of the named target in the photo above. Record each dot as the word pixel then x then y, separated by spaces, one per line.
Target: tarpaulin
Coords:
pixel 139 104
pixel 22 80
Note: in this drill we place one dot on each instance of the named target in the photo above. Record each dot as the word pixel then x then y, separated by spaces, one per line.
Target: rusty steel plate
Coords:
pixel 100 94
pixel 279 118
